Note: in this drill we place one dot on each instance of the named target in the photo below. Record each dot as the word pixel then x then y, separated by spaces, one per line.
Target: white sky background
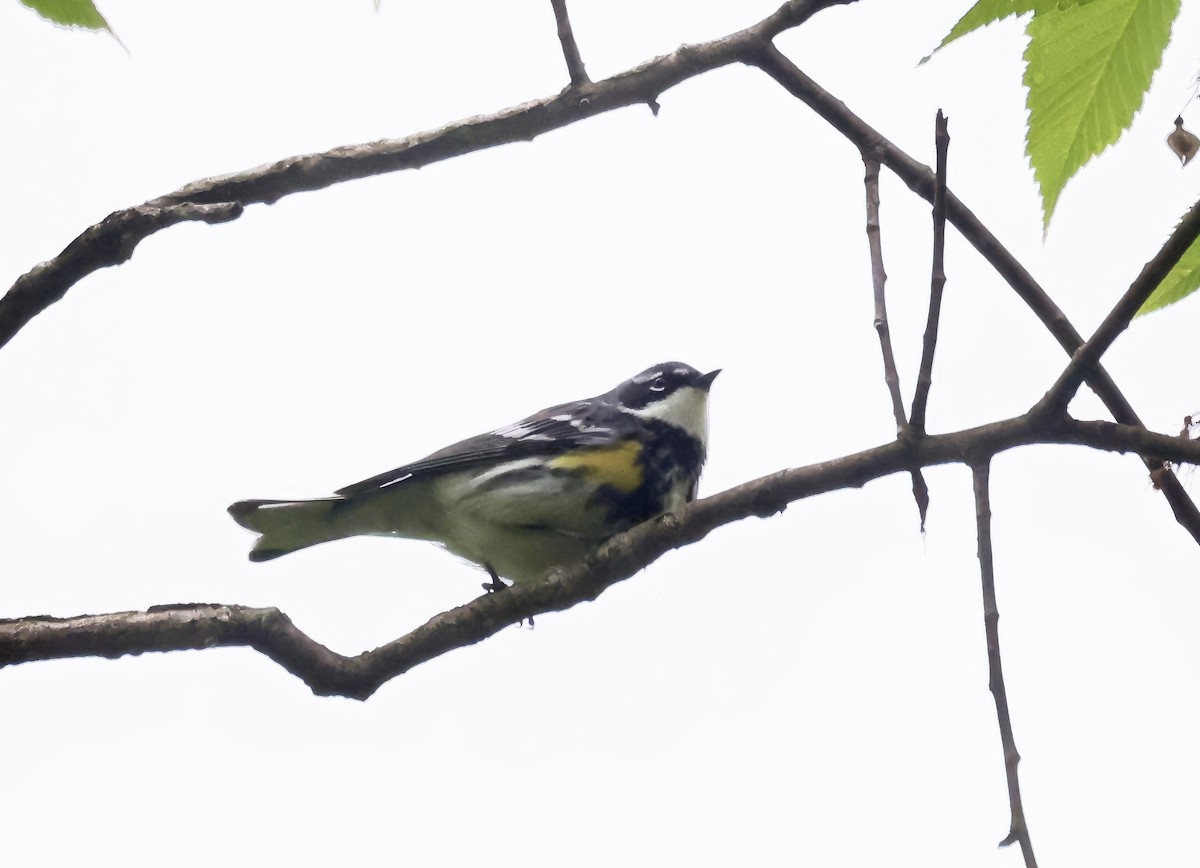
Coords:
pixel 806 690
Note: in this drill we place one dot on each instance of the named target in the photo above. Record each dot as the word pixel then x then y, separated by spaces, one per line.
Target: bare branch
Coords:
pixel 122 230
pixel 1018 831
pixel 1153 273
pixel 566 36
pixel 173 628
pixel 920 490
pixel 109 242
pixel 938 280
pixel 921 181
pixel 878 281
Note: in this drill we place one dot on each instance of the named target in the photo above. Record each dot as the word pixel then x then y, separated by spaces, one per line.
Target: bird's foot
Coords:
pixel 495 584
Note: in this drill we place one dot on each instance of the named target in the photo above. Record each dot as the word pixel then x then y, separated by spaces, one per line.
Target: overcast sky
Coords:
pixel 811 689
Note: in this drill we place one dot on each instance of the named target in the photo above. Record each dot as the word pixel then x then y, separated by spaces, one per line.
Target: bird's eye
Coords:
pixel 658 385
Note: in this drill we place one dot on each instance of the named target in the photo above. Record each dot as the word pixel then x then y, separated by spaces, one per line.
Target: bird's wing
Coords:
pixel 550 432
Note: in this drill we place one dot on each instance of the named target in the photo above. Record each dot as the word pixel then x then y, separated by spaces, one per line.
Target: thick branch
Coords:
pixel 173 628
pixel 109 242
pixel 122 231
pixel 921 181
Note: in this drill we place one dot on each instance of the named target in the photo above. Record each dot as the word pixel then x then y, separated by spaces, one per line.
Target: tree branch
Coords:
pixel 921 181
pixel 878 282
pixel 570 50
pixel 173 628
pixel 1152 274
pixel 109 242
pixel 937 282
pixel 122 231
pixel 1017 831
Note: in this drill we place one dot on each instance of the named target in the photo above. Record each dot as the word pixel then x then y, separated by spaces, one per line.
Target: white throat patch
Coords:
pixel 686 408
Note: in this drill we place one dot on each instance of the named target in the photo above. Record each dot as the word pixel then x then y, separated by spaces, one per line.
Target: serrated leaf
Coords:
pixel 1180 282
pixel 70 13
pixel 1087 68
pixel 986 12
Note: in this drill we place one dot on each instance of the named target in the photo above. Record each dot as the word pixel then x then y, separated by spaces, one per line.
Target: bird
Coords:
pixel 516 501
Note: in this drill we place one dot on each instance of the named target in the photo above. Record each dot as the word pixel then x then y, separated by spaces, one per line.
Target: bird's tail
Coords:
pixel 288 525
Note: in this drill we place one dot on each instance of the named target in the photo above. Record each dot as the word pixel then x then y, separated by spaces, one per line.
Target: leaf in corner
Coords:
pixel 986 12
pixel 70 13
pixel 1087 67
pixel 1180 282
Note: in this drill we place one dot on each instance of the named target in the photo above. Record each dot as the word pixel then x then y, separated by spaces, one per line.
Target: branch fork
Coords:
pixel 271 632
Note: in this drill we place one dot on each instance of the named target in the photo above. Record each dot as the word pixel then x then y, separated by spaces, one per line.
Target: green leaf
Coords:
pixel 71 13
pixel 986 12
pixel 1180 282
pixel 1087 68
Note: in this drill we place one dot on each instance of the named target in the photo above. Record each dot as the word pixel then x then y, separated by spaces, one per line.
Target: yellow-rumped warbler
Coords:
pixel 524 498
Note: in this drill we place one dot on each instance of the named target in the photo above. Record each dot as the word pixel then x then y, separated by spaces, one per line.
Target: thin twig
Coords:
pixel 1152 274
pixel 921 181
pixel 920 490
pixel 1018 831
pixel 937 281
pixel 891 376
pixel 198 626
pixel 570 50
pixel 878 281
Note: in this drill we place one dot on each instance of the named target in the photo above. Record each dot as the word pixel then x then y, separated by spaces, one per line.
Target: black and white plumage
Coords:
pixel 520 499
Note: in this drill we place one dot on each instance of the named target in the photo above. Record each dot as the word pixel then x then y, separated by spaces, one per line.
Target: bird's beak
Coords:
pixel 707 379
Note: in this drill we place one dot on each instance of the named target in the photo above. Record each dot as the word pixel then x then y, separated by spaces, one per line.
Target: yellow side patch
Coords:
pixel 608 465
